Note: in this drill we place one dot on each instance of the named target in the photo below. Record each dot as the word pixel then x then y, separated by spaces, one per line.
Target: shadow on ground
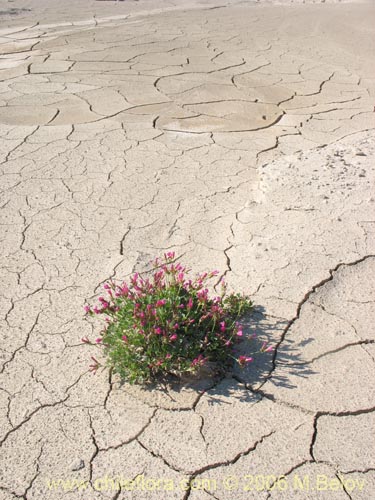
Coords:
pixel 258 329
pixel 13 11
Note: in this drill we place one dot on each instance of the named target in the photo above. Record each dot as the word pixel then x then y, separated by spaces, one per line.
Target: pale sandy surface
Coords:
pixel 242 137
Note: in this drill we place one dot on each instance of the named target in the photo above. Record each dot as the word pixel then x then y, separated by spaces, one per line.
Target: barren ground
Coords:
pixel 240 135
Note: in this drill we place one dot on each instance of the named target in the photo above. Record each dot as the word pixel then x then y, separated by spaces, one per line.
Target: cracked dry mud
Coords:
pixel 240 136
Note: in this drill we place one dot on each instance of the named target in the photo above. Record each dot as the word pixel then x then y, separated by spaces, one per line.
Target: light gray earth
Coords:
pixel 240 136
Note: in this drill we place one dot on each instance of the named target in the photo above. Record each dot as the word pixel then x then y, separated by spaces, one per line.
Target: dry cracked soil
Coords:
pixel 240 135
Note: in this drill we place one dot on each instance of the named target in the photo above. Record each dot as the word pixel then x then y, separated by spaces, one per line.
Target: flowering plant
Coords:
pixel 168 324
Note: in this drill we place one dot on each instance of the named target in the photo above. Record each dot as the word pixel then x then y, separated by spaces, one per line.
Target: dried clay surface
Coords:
pixel 241 136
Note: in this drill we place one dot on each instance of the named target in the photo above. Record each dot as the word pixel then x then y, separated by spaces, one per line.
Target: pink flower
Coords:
pixel 134 278
pixel 202 295
pixel 85 340
pixel 188 284
pixel 125 339
pixel 158 330
pixel 124 290
pixel 160 302
pixel 239 333
pixel 264 347
pixel 168 356
pixel 200 360
pixel 190 303
pixel 243 360
pixel 158 276
pixel 98 340
pixel 173 337
pixel 169 255
pixel 87 309
pixel 104 303
pixel 94 367
pixel 222 326
pixel 106 286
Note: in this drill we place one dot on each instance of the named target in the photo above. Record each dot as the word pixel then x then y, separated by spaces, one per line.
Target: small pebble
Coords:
pixel 80 464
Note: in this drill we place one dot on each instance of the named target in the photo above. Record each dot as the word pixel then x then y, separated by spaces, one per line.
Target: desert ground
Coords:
pixel 241 136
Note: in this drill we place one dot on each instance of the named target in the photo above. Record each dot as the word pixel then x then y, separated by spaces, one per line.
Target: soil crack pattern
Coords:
pixel 239 135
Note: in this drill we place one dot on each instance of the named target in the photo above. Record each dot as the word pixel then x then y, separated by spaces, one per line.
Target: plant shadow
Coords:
pixel 285 356
pixel 242 383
